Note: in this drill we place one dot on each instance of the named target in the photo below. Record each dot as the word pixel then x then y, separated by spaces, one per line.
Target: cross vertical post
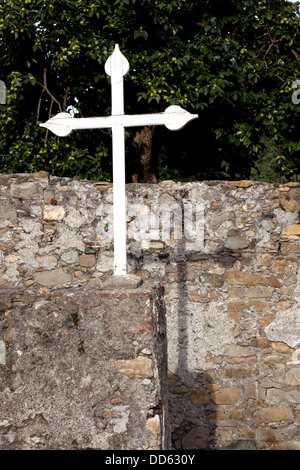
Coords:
pixel 117 67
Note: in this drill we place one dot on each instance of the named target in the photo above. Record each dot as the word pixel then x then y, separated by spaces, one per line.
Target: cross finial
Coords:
pixel 117 65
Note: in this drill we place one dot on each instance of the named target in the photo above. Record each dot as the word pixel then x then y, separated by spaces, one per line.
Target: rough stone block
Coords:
pixel 128 281
pixel 235 277
pixel 226 396
pixel 141 367
pixel 290 247
pixel 273 415
pixel 8 213
pixel 196 439
pixel 87 261
pixel 53 212
pixel 53 278
pixel 30 190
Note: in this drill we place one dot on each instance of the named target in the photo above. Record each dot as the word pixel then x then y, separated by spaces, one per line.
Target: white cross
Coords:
pixel 174 118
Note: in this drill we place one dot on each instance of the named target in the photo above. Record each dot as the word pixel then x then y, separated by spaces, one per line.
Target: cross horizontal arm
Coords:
pixel 174 118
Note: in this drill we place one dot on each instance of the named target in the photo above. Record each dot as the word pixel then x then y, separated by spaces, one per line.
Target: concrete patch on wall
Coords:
pixel 120 423
pixel 286 326
pixel 210 331
pixel 2 352
pixel 195 332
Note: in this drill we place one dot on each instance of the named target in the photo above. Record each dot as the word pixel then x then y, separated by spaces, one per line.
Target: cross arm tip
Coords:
pixel 57 126
pixel 183 117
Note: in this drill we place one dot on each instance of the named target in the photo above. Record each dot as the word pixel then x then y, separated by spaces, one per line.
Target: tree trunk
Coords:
pixel 144 168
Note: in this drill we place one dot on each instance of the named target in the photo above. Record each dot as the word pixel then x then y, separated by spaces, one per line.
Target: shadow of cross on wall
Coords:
pixel 2 92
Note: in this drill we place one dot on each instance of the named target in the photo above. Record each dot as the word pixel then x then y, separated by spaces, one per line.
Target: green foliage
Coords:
pixel 232 62
pixel 266 166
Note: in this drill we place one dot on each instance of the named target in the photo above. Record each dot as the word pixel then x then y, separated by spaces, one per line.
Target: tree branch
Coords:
pixel 39 105
pixel 65 99
pixel 295 54
pixel 45 87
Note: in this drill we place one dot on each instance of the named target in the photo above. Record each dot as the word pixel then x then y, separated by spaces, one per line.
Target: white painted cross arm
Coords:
pixel 174 118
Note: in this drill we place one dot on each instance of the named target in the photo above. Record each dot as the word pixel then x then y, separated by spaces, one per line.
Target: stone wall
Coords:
pixel 227 254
